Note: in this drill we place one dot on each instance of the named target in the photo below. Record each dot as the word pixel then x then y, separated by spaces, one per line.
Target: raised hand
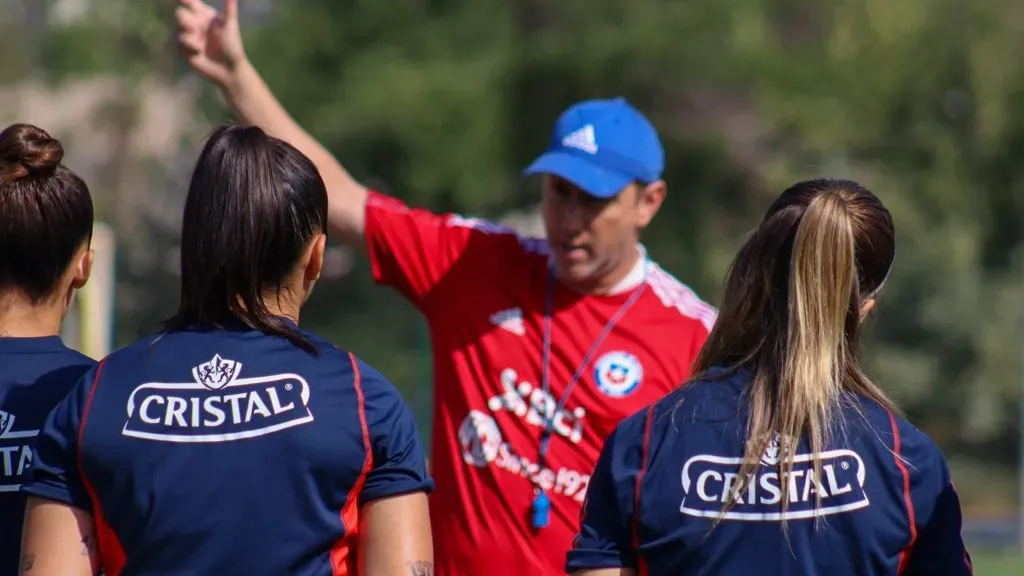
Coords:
pixel 211 42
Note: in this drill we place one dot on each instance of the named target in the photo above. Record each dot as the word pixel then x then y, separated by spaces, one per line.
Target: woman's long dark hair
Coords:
pixel 254 205
pixel 791 315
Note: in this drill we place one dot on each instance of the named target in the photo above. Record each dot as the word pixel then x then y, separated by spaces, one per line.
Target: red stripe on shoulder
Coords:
pixel 112 555
pixel 343 553
pixel 904 556
pixel 640 562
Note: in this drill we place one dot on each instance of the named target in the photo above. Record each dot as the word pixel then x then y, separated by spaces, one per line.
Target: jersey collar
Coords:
pixel 635 277
pixel 19 345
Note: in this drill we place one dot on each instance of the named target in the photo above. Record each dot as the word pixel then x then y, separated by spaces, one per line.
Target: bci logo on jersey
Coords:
pixel 15 453
pixel 708 480
pixel 217 406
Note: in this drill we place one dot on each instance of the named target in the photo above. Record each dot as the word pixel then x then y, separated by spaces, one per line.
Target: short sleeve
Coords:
pixel 939 547
pixel 413 250
pixel 399 462
pixel 55 473
pixel 605 537
pixel 701 337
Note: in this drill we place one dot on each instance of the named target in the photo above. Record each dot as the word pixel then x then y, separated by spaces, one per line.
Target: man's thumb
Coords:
pixel 231 10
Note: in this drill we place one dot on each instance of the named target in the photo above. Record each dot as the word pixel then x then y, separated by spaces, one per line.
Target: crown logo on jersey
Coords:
pixel 6 422
pixel 217 373
pixel 775 451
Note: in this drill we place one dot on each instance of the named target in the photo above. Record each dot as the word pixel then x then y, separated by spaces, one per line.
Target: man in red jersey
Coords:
pixel 540 346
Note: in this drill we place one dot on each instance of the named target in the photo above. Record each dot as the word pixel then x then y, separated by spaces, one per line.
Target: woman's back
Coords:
pixel 45 228
pixel 35 374
pixel 880 494
pixel 234 442
pixel 230 452
pixel 782 457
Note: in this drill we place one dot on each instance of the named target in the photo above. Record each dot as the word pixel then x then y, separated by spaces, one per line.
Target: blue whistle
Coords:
pixel 541 507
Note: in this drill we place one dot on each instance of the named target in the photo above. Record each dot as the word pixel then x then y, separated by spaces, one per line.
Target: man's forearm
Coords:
pixel 253 101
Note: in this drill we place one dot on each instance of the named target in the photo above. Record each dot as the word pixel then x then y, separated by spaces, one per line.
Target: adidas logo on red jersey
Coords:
pixel 510 320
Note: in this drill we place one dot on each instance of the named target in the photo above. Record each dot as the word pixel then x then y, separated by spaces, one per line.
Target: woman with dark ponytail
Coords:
pixel 780 457
pixel 45 229
pixel 234 442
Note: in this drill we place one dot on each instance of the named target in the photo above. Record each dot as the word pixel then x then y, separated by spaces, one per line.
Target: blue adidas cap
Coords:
pixel 601 146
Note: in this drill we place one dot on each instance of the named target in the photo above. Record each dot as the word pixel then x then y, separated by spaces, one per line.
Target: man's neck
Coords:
pixel 626 275
pixel 29 321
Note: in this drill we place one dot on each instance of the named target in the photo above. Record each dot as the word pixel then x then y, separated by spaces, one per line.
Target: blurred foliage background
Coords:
pixel 442 102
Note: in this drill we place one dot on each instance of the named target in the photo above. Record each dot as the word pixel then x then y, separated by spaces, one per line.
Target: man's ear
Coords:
pixel 649 199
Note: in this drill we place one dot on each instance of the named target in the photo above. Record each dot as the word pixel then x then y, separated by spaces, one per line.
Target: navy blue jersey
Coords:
pixel 228 452
pixel 887 504
pixel 35 374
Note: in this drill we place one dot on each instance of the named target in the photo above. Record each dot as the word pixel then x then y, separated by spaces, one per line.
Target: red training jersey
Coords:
pixel 483 290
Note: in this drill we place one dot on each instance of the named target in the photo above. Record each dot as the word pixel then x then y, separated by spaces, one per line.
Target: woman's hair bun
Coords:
pixel 27 150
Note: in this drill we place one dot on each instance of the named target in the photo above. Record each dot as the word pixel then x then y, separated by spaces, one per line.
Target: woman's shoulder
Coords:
pixel 896 432
pixel 712 396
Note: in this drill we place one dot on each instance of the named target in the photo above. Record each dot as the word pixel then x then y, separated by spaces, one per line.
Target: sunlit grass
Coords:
pixel 988 563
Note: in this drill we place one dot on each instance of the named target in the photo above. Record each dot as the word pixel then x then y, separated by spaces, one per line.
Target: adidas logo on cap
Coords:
pixel 582 139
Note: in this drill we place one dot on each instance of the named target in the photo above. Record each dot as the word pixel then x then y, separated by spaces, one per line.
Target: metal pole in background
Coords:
pixel 1020 421
pixel 96 319
pixel 1020 401
pixel 71 327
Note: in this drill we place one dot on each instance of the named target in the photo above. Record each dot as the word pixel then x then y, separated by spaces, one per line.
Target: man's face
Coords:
pixel 594 238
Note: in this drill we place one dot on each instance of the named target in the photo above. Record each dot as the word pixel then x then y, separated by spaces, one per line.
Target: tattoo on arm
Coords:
pixel 420 568
pixel 27 561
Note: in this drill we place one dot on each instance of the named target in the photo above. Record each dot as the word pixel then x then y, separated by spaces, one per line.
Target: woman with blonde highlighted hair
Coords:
pixel 780 457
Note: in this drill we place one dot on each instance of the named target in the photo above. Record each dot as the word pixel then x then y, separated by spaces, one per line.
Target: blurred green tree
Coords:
pixel 443 102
